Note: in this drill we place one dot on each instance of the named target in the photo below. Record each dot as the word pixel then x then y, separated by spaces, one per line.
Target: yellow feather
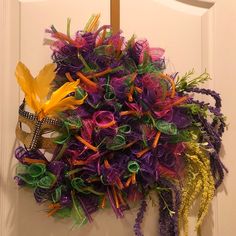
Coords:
pixel 26 82
pixel 36 91
pixel 43 80
pixel 58 101
pixel 65 104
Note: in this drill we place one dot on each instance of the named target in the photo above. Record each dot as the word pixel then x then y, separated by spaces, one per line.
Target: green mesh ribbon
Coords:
pixel 77 212
pixel 118 106
pixel 80 93
pixel 164 88
pixel 130 65
pixel 36 170
pixel 62 138
pixel 86 68
pixel 166 127
pixel 133 166
pixel 124 129
pixel 146 68
pixel 36 175
pixel 56 195
pixel 109 95
pixel 105 50
pixel 69 125
pixel 29 180
pixel 64 212
pixel 117 143
pixel 78 184
pixel 47 181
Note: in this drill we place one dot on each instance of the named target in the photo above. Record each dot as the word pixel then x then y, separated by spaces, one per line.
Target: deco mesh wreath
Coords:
pixel 125 129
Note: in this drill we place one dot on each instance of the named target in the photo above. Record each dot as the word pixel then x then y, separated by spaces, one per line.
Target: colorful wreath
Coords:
pixel 124 129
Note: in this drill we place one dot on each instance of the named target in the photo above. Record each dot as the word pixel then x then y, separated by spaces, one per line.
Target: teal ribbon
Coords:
pixel 166 128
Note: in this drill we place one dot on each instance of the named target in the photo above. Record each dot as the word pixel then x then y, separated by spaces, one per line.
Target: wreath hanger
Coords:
pixel 115 15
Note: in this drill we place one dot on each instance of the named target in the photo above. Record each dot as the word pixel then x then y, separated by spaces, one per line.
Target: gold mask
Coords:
pixel 45 103
pixel 34 139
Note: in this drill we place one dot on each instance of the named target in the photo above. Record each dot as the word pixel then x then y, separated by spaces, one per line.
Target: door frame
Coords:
pixel 10 54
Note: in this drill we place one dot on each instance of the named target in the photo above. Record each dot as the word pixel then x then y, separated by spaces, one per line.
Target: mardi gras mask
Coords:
pixel 46 108
pixel 35 139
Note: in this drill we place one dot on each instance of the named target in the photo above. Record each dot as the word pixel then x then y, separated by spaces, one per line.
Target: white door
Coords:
pixel 196 34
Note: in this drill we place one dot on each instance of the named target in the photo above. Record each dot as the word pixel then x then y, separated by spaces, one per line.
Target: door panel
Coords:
pixel 186 32
pixel 36 16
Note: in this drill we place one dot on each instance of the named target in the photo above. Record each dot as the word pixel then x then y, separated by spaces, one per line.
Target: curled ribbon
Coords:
pixel 56 195
pixel 117 143
pixel 124 129
pixel 36 170
pixel 36 175
pixel 133 166
pixel 107 50
pixel 166 128
pixel 78 183
pixel 78 213
pixel 28 179
pixel 109 92
pixel 47 181
pixel 104 119
pixel 69 124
